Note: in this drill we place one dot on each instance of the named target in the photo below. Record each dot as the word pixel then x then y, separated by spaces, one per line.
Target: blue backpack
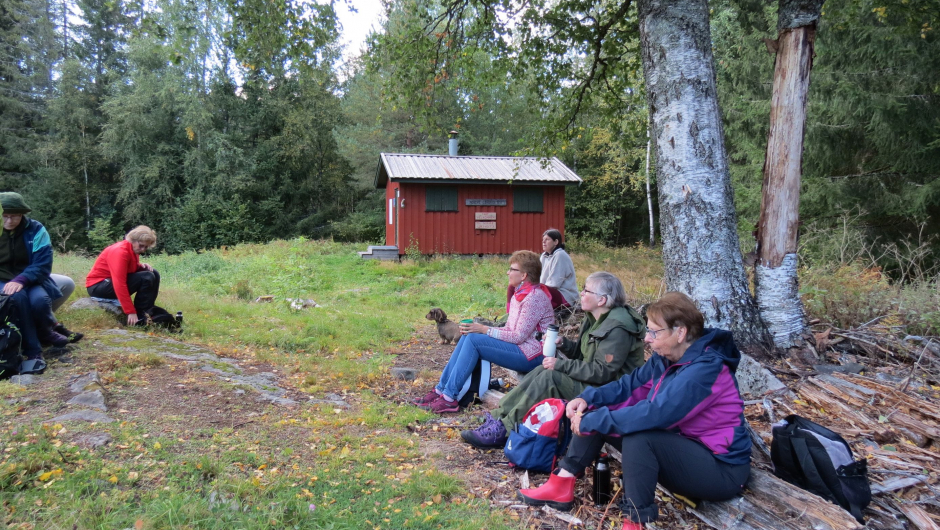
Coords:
pixel 541 438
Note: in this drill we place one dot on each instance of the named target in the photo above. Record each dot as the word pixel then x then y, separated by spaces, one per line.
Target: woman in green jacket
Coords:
pixel 609 346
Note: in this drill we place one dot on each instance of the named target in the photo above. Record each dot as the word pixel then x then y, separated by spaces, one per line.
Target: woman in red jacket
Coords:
pixel 118 273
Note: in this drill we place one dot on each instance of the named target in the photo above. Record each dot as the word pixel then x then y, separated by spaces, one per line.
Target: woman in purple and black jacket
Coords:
pixel 679 420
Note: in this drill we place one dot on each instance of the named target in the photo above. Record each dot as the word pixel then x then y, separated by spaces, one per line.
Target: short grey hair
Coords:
pixel 610 286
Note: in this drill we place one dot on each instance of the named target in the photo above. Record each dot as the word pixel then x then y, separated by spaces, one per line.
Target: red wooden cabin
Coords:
pixel 471 204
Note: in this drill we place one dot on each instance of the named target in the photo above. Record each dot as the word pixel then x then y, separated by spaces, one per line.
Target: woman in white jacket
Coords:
pixel 557 268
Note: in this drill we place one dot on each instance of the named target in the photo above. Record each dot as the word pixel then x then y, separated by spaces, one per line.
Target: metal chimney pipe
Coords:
pixel 452 144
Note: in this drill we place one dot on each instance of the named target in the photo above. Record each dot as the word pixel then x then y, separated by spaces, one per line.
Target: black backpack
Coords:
pixel 10 337
pixel 816 459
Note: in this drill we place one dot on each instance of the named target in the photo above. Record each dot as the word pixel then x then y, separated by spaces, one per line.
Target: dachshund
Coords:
pixel 447 329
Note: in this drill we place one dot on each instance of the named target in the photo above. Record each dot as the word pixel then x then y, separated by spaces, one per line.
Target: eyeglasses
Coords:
pixel 584 290
pixel 512 269
pixel 652 332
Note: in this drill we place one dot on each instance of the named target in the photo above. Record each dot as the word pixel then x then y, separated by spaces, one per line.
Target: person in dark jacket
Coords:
pixel 679 420
pixel 609 346
pixel 25 274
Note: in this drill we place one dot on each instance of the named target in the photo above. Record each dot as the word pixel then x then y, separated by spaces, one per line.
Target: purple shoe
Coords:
pixel 56 339
pixel 442 406
pixel 426 399
pixel 491 434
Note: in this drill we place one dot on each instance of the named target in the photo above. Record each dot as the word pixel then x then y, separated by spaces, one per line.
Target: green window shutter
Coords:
pixel 440 199
pixel 528 199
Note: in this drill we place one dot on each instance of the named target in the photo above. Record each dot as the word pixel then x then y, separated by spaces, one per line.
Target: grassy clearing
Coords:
pixel 318 467
pixel 321 468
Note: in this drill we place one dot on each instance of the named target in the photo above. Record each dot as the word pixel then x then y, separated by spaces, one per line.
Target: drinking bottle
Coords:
pixel 602 480
pixel 548 342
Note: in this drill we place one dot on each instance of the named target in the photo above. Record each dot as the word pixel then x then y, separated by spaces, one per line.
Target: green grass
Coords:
pixel 372 481
pixel 316 467
pixel 358 468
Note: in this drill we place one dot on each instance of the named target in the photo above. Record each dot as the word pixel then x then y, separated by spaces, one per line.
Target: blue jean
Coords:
pixel 473 347
pixel 41 309
pixel 30 347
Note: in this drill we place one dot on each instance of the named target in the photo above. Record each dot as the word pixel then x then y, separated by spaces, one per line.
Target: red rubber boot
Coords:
pixel 558 493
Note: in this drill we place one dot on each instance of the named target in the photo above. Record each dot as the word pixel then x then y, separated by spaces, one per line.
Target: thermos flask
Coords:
pixel 602 480
pixel 548 345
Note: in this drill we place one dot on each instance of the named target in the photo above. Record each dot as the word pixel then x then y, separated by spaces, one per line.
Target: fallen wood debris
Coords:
pixel 888 411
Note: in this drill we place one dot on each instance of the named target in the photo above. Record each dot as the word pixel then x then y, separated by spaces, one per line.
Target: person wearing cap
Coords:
pixel 26 275
pixel 118 273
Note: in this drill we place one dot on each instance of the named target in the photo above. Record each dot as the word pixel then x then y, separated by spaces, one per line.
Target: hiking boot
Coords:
pixel 491 434
pixel 56 339
pixel 442 406
pixel 558 493
pixel 426 399
pixel 73 336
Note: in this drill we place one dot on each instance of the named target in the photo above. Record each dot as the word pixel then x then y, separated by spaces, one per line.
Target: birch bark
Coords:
pixel 701 249
pixel 776 282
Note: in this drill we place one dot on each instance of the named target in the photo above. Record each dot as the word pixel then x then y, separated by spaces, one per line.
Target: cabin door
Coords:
pixel 396 206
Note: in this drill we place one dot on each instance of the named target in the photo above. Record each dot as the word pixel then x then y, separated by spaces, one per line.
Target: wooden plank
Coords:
pixel 915 425
pixel 898 483
pixel 769 503
pixel 491 398
pixel 917 516
pixel 825 401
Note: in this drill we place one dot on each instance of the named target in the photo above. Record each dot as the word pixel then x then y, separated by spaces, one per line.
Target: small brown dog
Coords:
pixel 447 329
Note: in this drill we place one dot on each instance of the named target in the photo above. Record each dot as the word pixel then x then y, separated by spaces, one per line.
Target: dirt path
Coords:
pixel 171 388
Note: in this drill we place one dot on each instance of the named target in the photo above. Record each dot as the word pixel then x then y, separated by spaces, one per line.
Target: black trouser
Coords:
pixel 681 465
pixel 145 283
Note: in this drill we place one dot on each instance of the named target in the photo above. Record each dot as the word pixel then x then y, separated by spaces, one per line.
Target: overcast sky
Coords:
pixel 357 25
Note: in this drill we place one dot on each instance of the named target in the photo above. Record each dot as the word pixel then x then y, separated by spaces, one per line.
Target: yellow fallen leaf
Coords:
pixel 113 479
pixel 157 445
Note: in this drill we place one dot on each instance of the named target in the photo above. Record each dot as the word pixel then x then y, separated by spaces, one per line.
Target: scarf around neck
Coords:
pixel 525 288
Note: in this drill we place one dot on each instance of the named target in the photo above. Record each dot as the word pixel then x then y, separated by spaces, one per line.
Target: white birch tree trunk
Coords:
pixel 649 194
pixel 777 285
pixel 701 249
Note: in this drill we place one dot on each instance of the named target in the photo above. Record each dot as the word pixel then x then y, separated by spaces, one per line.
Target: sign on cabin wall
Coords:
pixel 485 216
pixel 486 202
pixel 485 225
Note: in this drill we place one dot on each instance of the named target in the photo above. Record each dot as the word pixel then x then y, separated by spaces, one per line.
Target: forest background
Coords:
pixel 218 123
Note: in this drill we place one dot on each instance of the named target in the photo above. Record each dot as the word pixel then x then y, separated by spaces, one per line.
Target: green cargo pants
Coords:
pixel 537 385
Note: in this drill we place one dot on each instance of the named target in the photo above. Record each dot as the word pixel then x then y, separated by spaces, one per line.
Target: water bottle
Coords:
pixel 602 480
pixel 548 344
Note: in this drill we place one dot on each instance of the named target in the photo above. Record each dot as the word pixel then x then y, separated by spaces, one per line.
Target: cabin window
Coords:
pixel 440 199
pixel 527 199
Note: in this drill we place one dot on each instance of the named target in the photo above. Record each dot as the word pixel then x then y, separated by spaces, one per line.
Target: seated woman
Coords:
pixel 608 347
pixel 67 286
pixel 557 269
pixel 513 346
pixel 118 273
pixel 678 419
pixel 25 269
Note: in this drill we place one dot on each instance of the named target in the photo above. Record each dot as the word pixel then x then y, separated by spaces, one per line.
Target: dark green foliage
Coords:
pixel 221 123
pixel 872 137
pixel 27 51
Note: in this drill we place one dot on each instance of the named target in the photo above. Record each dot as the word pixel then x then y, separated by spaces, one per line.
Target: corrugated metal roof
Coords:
pixel 399 167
